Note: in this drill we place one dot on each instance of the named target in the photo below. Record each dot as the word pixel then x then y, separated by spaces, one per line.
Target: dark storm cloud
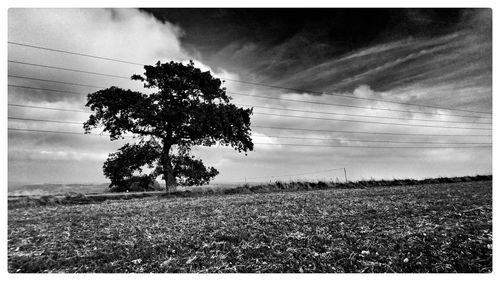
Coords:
pixel 211 29
pixel 311 34
pixel 337 50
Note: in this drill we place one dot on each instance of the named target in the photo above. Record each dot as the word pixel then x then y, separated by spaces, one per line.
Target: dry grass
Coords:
pixel 277 186
pixel 420 228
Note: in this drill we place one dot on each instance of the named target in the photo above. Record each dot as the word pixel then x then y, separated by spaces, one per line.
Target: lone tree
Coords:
pixel 188 108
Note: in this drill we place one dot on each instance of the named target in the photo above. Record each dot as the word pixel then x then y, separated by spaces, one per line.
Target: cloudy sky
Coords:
pixel 333 71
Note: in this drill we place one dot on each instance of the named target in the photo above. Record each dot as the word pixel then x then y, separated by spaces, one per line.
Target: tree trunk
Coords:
pixel 167 168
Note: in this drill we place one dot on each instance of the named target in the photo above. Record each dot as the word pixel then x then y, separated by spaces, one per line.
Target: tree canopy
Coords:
pixel 188 108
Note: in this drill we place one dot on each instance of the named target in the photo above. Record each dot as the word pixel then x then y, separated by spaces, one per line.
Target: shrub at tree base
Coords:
pixel 134 184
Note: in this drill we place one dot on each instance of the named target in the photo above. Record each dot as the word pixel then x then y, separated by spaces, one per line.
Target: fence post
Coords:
pixel 345 175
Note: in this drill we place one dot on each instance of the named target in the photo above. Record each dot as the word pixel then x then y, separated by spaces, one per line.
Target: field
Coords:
pixel 420 228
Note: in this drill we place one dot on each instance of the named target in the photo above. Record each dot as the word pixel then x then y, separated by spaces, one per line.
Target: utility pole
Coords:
pixel 345 175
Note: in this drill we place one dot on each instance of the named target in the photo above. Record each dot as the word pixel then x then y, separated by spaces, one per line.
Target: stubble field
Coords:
pixel 421 228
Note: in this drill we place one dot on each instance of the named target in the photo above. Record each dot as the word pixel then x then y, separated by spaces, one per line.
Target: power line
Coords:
pixel 246 82
pixel 353 97
pixel 69 69
pixel 264 107
pixel 306 117
pixel 363 146
pixel 383 141
pixel 287 137
pixel 282 128
pixel 301 101
pixel 284 137
pixel 49 131
pixel 371 133
pixel 285 144
pixel 373 122
pixel 63 132
pixel 54 81
pixel 43 120
pixel 354 106
pixel 358 115
pixel 257 96
pixel 49 108
pixel 44 89
pixel 74 53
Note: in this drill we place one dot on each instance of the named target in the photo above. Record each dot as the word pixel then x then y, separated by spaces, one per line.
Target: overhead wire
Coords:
pixel 352 106
pixel 363 146
pixel 372 108
pixel 258 126
pixel 257 96
pixel 68 69
pixel 45 89
pixel 274 108
pixel 251 83
pixel 55 81
pixel 372 122
pixel 358 115
pixel 285 137
pixel 270 136
pixel 73 53
pixel 360 140
pixel 285 144
pixel 296 129
pixel 49 108
pixel 264 113
pixel 370 132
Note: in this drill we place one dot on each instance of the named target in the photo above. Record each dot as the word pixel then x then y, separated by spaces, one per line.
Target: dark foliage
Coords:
pixel 189 108
pixel 136 183
pixel 190 171
pixel 120 166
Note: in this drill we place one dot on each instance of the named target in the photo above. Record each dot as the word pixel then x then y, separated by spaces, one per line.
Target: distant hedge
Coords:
pixel 241 189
